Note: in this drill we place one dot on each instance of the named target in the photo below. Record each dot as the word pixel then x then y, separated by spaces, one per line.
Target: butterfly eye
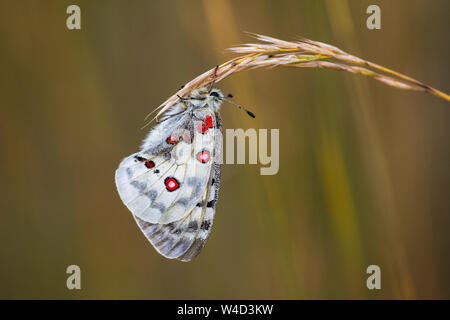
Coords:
pixel 214 94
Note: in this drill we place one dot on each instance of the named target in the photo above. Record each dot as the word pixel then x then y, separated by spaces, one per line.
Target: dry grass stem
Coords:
pixel 304 53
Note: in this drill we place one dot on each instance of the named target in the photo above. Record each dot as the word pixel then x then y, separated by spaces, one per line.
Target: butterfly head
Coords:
pixel 202 97
pixel 213 99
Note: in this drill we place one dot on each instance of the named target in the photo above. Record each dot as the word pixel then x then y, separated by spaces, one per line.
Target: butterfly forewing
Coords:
pixel 172 185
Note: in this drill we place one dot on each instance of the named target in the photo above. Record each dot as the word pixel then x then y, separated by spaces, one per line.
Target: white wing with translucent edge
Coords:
pixel 165 187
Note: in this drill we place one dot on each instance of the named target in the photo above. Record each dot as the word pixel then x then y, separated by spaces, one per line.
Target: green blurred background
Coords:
pixel 364 168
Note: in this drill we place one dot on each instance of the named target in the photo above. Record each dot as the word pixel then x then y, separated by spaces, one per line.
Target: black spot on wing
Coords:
pixel 201 203
pixel 139 158
pixel 205 225
pixel 192 227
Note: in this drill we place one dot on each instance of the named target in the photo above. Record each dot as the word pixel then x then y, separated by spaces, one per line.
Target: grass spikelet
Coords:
pixel 304 53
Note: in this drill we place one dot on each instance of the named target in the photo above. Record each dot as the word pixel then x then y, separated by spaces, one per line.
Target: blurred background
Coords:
pixel 364 168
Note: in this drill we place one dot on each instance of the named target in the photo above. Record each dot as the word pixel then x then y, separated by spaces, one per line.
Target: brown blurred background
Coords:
pixel 364 168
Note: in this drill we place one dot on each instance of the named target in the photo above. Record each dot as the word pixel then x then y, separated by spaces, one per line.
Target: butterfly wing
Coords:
pixel 172 189
pixel 184 239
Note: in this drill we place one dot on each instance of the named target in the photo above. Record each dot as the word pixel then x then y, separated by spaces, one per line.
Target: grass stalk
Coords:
pixel 304 53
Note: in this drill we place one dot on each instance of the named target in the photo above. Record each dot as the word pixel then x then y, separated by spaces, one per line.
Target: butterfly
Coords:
pixel 171 186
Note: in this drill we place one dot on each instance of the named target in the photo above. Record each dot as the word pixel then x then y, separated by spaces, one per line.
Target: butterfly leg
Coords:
pixel 214 78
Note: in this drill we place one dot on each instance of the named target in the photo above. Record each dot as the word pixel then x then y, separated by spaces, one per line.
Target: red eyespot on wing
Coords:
pixel 209 121
pixel 202 128
pixel 149 164
pixel 203 156
pixel 172 140
pixel 171 184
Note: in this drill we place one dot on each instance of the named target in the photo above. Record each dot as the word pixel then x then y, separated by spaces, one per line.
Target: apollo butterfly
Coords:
pixel 172 184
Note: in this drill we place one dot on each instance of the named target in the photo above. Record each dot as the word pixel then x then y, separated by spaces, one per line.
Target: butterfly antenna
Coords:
pixel 251 114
